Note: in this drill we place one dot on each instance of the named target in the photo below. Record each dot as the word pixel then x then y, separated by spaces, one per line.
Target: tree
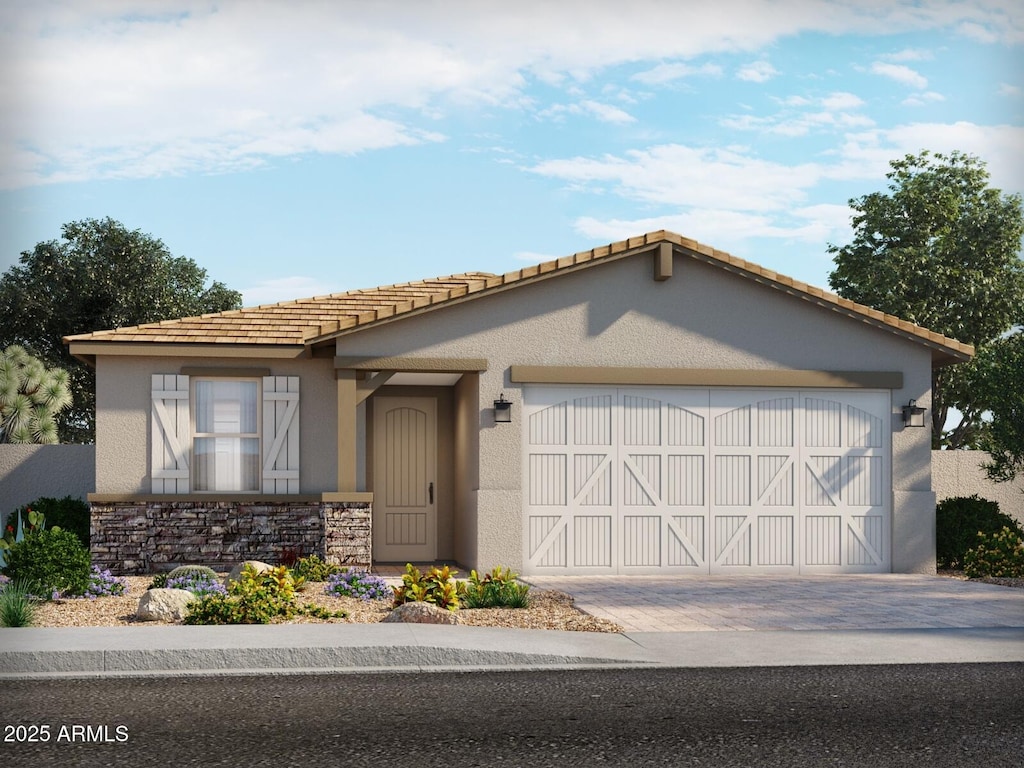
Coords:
pixel 98 276
pixel 31 396
pixel 940 249
pixel 1000 368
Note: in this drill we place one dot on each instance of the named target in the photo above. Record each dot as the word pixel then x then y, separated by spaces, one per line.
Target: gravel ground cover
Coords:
pixel 548 610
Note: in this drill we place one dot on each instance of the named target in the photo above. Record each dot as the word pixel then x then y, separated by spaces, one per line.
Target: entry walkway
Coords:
pixel 708 603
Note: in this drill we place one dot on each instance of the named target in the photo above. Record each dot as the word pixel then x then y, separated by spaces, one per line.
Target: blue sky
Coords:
pixel 296 149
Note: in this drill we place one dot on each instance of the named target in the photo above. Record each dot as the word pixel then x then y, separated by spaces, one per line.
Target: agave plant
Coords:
pixel 31 396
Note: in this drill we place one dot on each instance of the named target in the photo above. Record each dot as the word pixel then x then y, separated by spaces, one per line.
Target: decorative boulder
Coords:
pixel 236 572
pixel 422 613
pixel 164 605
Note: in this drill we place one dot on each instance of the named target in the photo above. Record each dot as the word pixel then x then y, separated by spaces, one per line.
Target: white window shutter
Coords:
pixel 280 434
pixel 171 434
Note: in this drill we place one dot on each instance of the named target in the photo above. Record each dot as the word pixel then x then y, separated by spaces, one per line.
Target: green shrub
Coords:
pixel 255 598
pixel 959 520
pixel 17 605
pixel 999 554
pixel 497 589
pixel 159 581
pixel 312 568
pixel 68 513
pixel 192 572
pixel 438 587
pixel 52 561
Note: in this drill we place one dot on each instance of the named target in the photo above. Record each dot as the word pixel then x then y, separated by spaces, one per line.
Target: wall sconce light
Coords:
pixel 502 410
pixel 913 415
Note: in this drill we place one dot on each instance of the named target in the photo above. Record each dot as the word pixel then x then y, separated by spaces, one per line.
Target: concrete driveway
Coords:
pixel 698 604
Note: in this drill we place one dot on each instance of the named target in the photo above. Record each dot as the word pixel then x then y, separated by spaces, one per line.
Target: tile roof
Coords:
pixel 304 322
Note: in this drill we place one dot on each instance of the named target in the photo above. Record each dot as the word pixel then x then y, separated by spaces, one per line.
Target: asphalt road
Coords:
pixel 922 716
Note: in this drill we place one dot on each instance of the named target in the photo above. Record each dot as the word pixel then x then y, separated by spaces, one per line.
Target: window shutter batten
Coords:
pixel 171 434
pixel 281 434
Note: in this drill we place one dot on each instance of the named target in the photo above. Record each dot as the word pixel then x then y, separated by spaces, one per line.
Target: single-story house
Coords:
pixel 650 406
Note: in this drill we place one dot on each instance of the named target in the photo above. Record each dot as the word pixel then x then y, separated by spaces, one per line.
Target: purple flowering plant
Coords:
pixel 199 584
pixel 362 584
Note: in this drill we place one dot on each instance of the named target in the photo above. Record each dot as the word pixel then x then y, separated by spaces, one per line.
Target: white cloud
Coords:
pixel 921 99
pixel 129 88
pixel 607 113
pixel 900 74
pixel 842 100
pixel 909 54
pixel 866 155
pixel 678 175
pixel 837 111
pixel 757 72
pixel 665 73
pixel 1005 89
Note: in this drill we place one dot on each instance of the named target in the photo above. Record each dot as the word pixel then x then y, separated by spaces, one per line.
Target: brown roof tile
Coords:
pixel 304 321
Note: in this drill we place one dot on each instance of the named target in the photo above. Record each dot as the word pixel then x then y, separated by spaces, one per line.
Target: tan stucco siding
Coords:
pixel 123 403
pixel 616 315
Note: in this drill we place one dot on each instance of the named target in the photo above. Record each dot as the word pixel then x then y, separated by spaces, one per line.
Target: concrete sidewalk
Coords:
pixel 304 648
pixel 669 622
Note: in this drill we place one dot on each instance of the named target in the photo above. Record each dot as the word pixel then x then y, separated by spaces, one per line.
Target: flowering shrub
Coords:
pixel 362 584
pixel 103 584
pixel 255 598
pixel 1001 555
pixel 199 584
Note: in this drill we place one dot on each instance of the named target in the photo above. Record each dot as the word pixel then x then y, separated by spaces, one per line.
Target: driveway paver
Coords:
pixel 875 601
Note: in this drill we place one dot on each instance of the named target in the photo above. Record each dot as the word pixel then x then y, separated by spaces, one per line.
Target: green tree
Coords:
pixel 1000 376
pixel 99 275
pixel 31 396
pixel 941 249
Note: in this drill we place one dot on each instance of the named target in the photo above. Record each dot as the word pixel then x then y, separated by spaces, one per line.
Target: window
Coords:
pixel 225 433
pixel 226 437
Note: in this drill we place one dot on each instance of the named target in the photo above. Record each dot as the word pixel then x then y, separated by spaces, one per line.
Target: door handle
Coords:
pixel 430 492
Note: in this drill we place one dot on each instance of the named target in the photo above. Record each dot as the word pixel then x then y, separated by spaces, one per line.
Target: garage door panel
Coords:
pixel 684 427
pixel 684 480
pixel 686 539
pixel 548 542
pixel 822 539
pixel 592 541
pixel 732 540
pixel 775 541
pixel 706 480
pixel 547 479
pixel 593 479
pixel 641 541
pixel 775 481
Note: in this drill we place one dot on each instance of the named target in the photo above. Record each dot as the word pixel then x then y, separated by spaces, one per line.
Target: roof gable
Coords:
pixel 294 327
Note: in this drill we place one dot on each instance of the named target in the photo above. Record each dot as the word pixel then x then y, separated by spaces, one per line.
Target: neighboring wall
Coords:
pixel 28 472
pixel 958 473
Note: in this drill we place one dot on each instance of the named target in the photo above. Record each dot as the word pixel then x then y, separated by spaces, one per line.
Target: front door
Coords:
pixel 404 477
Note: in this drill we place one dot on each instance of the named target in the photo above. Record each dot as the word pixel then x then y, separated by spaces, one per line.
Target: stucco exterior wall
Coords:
pixel 959 473
pixel 29 472
pixel 123 405
pixel 616 315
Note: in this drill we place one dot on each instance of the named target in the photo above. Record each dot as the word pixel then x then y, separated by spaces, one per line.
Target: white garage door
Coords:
pixel 649 480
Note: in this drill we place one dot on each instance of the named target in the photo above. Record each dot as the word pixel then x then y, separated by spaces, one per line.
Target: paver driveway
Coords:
pixel 885 601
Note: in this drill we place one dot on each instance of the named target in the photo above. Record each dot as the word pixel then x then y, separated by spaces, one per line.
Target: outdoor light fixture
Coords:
pixel 913 415
pixel 502 410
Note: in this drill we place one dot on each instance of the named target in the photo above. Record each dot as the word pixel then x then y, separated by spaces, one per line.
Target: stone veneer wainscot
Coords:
pixel 135 538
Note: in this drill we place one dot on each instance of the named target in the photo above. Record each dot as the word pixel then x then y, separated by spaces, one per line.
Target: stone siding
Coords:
pixel 132 538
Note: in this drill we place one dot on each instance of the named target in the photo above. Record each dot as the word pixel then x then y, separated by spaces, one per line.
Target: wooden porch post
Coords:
pixel 346 385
